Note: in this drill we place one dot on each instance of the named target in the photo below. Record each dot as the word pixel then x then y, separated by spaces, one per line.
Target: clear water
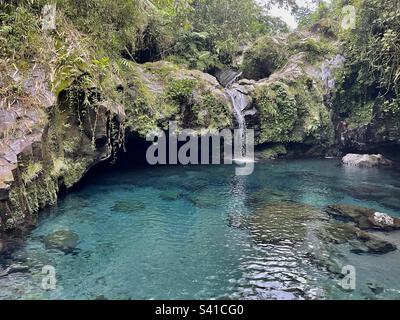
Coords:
pixel 209 243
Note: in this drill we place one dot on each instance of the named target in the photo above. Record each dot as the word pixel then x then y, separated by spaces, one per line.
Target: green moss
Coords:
pixel 47 190
pixel 75 170
pixel 362 114
pixel 263 58
pixel 142 109
pixel 278 111
pixel 16 199
pixel 392 106
pixel 314 49
pixel 71 145
pixel 161 68
pixel 291 113
pixel 272 152
pixel 20 29
pixel 31 172
pixel 181 90
pixel 212 113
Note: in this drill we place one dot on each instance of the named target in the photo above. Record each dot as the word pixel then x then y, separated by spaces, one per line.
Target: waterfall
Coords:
pixel 239 103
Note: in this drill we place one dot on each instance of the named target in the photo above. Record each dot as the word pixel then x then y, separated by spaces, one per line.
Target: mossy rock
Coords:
pixel 264 58
pixel 292 110
pixel 128 206
pixel 278 110
pixel 315 49
pixel 272 152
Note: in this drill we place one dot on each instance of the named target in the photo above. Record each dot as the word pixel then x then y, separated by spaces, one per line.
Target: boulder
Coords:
pixel 170 195
pixel 360 241
pixel 128 206
pixel 265 56
pixel 375 288
pixel 372 244
pixel 63 240
pixel 364 218
pixel 365 160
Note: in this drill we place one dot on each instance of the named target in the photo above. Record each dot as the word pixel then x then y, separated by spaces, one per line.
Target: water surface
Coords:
pixel 201 232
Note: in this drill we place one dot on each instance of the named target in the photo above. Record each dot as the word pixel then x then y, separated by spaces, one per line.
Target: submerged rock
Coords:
pixel 338 233
pixel 364 218
pixel 365 160
pixel 282 222
pixel 204 200
pixel 16 268
pixel 360 241
pixel 128 206
pixel 170 195
pixel 376 289
pixel 373 245
pixel 63 240
pixel 265 196
pixel 194 185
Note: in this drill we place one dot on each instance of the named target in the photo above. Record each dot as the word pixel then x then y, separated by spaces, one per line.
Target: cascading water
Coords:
pixel 239 103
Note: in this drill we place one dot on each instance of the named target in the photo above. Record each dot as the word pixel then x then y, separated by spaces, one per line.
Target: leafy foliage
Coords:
pixel 372 69
pixel 278 110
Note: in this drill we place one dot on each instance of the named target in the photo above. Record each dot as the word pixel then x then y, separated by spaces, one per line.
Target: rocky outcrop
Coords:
pixel 48 144
pixel 364 218
pixel 360 241
pixel 265 56
pixel 365 160
pixel 49 147
pixel 161 92
pixel 289 104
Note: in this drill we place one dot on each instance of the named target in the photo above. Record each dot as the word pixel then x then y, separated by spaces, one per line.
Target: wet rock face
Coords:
pixel 47 148
pixel 63 240
pixel 365 160
pixel 364 218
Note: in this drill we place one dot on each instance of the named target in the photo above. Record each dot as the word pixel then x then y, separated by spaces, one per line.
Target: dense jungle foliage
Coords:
pixel 208 34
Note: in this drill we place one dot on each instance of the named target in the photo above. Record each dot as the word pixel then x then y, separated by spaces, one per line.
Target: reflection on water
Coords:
pixel 203 232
